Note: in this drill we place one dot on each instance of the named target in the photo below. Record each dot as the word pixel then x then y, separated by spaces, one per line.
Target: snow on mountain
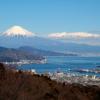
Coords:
pixel 10 39
pixel 18 31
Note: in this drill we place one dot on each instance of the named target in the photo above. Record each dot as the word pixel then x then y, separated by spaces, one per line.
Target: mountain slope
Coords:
pixel 43 52
pixel 48 45
pixel 18 31
pixel 7 54
pixel 27 86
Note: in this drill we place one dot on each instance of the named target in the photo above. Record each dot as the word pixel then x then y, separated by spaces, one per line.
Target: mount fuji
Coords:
pixel 19 38
pixel 16 37
pixel 18 31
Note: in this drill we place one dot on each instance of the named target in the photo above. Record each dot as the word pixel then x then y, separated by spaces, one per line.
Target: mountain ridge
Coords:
pixel 44 52
pixel 47 44
pixel 11 54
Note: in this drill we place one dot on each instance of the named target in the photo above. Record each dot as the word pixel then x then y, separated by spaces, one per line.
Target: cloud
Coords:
pixel 73 35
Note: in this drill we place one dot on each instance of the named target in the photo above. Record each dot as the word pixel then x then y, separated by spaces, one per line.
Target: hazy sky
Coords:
pixel 68 20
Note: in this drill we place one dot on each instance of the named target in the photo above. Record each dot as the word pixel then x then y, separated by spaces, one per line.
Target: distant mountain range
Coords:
pixel 17 37
pixel 26 53
pixel 13 47
pixel 48 45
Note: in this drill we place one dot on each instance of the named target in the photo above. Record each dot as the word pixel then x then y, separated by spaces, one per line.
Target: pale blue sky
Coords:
pixel 47 16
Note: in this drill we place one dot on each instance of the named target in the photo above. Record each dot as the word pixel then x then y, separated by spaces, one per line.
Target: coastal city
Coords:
pixel 22 62
pixel 79 76
pixel 75 78
pixel 69 77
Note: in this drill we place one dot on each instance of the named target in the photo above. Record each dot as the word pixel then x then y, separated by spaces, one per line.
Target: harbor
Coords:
pixel 65 69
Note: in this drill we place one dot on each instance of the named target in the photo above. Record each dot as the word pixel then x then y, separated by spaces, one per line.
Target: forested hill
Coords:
pixel 8 54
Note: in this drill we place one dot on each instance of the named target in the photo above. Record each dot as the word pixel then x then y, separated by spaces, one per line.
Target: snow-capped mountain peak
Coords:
pixel 18 31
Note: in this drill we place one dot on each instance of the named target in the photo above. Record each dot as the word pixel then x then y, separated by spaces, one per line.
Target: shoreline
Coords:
pixel 23 62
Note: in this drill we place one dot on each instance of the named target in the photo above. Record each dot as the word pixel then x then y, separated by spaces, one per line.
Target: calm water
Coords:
pixel 64 64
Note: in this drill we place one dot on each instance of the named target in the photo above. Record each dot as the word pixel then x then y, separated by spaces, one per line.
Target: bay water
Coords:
pixel 64 64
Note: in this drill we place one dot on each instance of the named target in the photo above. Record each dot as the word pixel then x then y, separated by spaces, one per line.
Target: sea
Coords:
pixel 68 64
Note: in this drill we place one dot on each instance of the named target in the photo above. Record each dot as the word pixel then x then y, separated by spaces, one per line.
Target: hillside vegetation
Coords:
pixel 18 85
